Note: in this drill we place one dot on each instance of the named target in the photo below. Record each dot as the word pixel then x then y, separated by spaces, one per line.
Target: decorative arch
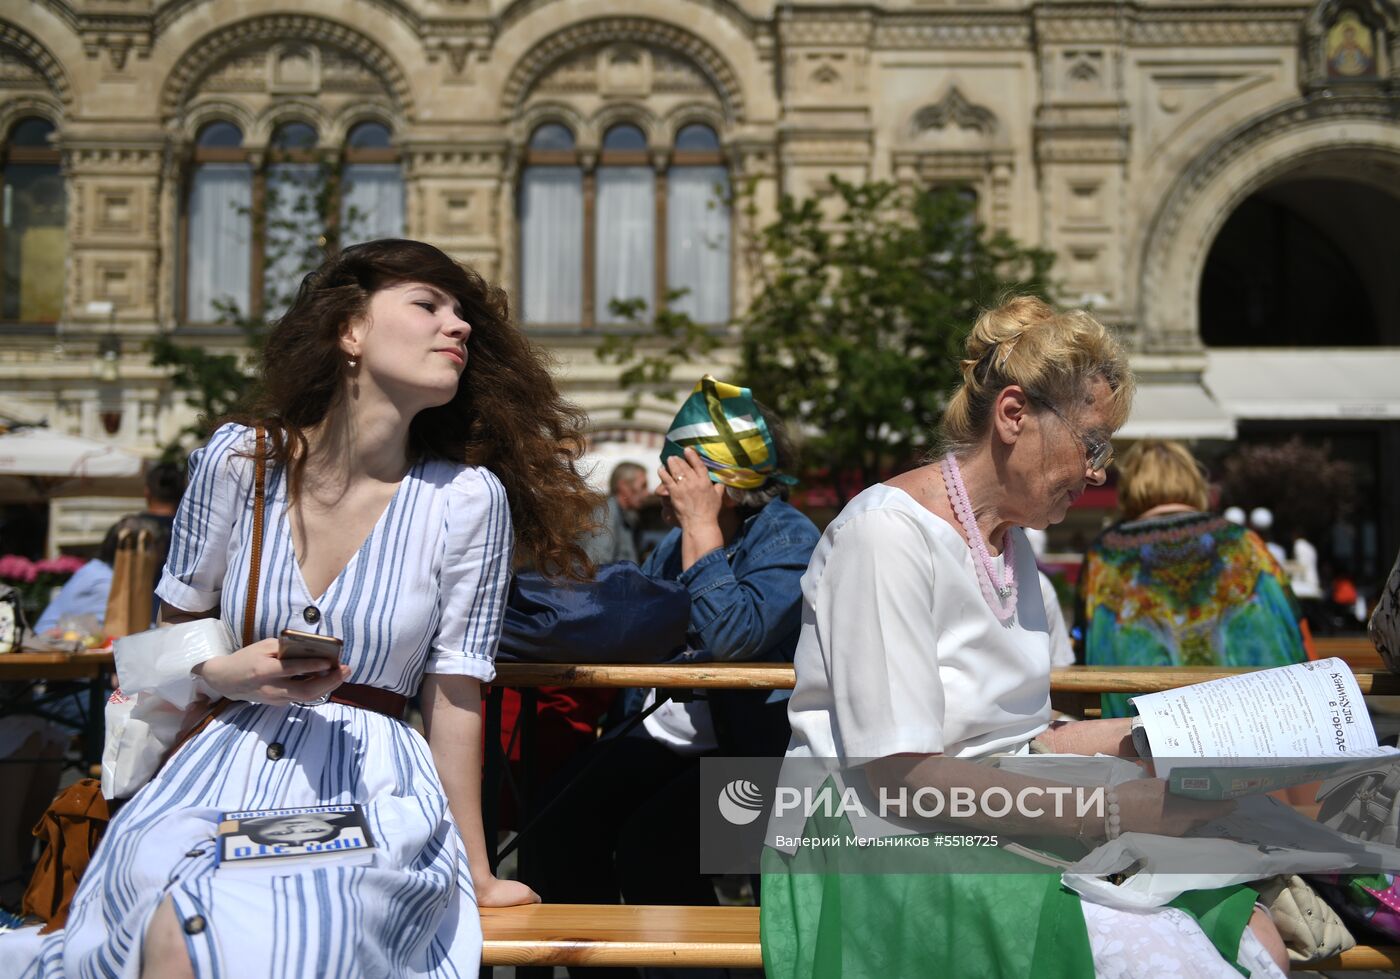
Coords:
pixel 279 29
pixel 542 112
pixel 682 116
pixel 1356 137
pixel 286 110
pixel 338 128
pixel 216 110
pixel 634 113
pixel 34 53
pixel 32 104
pixel 612 30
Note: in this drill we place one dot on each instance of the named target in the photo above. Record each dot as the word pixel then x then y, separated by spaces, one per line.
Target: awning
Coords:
pixel 1176 410
pixel 1352 384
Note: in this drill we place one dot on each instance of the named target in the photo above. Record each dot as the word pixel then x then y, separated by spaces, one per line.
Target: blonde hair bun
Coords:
pixel 1052 355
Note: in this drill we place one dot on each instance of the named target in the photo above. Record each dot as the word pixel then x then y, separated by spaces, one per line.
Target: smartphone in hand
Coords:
pixel 293 644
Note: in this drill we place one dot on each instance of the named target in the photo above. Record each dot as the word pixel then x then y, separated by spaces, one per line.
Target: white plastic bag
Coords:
pixel 141 728
pixel 158 697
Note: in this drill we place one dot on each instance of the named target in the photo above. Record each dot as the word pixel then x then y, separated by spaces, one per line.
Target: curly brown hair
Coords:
pixel 507 414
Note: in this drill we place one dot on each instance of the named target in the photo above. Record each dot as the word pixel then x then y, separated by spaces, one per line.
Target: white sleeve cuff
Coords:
pixel 457 663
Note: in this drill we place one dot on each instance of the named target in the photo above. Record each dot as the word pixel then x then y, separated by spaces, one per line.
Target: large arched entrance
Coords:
pixel 1306 261
pixel 1270 259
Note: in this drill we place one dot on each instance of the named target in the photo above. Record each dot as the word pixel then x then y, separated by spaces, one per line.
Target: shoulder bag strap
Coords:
pixel 255 559
pixel 254 568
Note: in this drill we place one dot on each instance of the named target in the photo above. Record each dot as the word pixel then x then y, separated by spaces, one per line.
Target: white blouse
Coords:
pixel 899 651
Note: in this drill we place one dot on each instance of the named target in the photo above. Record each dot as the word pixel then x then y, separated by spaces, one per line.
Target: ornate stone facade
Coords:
pixel 1121 137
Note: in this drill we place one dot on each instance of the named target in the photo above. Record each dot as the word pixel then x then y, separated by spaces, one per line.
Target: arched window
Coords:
pixel 32 234
pixel 551 229
pixel 644 230
pixel 371 190
pixel 218 254
pixel 697 226
pixel 625 229
pixel 293 220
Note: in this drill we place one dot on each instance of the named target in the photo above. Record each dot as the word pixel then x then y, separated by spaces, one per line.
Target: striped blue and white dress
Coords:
pixel 424 594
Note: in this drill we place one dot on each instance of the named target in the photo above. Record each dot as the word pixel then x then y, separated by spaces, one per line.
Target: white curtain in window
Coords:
pixel 626 238
pixel 551 245
pixel 220 239
pixel 294 225
pixel 371 202
pixel 697 241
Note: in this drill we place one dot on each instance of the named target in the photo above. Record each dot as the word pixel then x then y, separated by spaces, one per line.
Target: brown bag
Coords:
pixel 74 823
pixel 130 598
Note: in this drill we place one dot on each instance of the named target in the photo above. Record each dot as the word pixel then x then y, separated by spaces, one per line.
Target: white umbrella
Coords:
pixel 41 452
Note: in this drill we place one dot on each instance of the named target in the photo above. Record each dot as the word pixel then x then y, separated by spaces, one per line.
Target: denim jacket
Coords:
pixel 745 597
pixel 745 604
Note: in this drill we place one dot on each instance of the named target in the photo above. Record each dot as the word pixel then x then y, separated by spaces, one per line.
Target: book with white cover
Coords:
pixel 285 840
pixel 1310 716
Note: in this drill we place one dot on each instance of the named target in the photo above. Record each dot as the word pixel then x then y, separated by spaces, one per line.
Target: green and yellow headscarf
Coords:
pixel 723 424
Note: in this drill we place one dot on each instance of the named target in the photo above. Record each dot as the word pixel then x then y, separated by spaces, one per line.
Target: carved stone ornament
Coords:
pixel 648 34
pixel 26 54
pixel 285 31
pixel 954 109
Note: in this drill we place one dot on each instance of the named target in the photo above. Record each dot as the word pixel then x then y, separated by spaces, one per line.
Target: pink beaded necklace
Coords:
pixel 1001 598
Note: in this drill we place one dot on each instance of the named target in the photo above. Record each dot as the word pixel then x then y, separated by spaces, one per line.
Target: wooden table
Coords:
pixel 621 935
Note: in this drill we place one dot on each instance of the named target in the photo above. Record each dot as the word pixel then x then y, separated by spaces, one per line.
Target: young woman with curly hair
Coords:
pixel 413 438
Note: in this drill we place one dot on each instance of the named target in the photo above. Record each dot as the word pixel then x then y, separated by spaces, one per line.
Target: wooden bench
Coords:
pixel 642 936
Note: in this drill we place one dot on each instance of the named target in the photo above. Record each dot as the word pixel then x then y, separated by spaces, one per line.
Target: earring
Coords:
pixel 352 363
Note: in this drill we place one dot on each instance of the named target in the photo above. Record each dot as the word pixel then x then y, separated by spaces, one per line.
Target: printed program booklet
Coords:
pixel 285 840
pixel 1310 716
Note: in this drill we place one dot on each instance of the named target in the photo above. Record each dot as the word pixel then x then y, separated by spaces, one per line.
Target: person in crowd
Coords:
pixel 1306 581
pixel 412 437
pixel 1172 584
pixel 630 827
pixel 86 593
pixel 615 538
pixel 1261 521
pixel 924 643
pixel 30 745
pixel 165 485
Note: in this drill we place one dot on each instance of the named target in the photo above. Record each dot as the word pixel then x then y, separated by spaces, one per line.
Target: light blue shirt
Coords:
pixel 84 594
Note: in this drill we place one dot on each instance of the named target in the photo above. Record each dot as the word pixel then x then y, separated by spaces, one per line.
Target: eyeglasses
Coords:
pixel 1098 453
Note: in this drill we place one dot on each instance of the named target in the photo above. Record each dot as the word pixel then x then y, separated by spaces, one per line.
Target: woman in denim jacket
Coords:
pixel 630 827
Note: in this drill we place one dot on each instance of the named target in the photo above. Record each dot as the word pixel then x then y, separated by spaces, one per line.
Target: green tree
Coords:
pixel 862 298
pixel 299 224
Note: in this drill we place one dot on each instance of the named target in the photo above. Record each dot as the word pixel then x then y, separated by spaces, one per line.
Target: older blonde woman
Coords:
pixel 1172 584
pixel 925 645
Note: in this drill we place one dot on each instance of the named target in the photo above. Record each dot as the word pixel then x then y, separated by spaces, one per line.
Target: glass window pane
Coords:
pixel 32 131
pixel 625 238
pixel 624 137
pixel 371 203
pixel 369 136
pixel 697 137
pixel 697 241
pixel 35 245
pixel 552 136
pixel 292 231
pixel 294 136
pixel 219 260
pixel 221 134
pixel 551 245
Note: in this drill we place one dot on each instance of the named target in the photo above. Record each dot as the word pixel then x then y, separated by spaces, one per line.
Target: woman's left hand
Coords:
pixel 493 892
pixel 696 499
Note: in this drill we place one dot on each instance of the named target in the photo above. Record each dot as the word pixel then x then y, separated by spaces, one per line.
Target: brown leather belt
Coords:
pixel 365 697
